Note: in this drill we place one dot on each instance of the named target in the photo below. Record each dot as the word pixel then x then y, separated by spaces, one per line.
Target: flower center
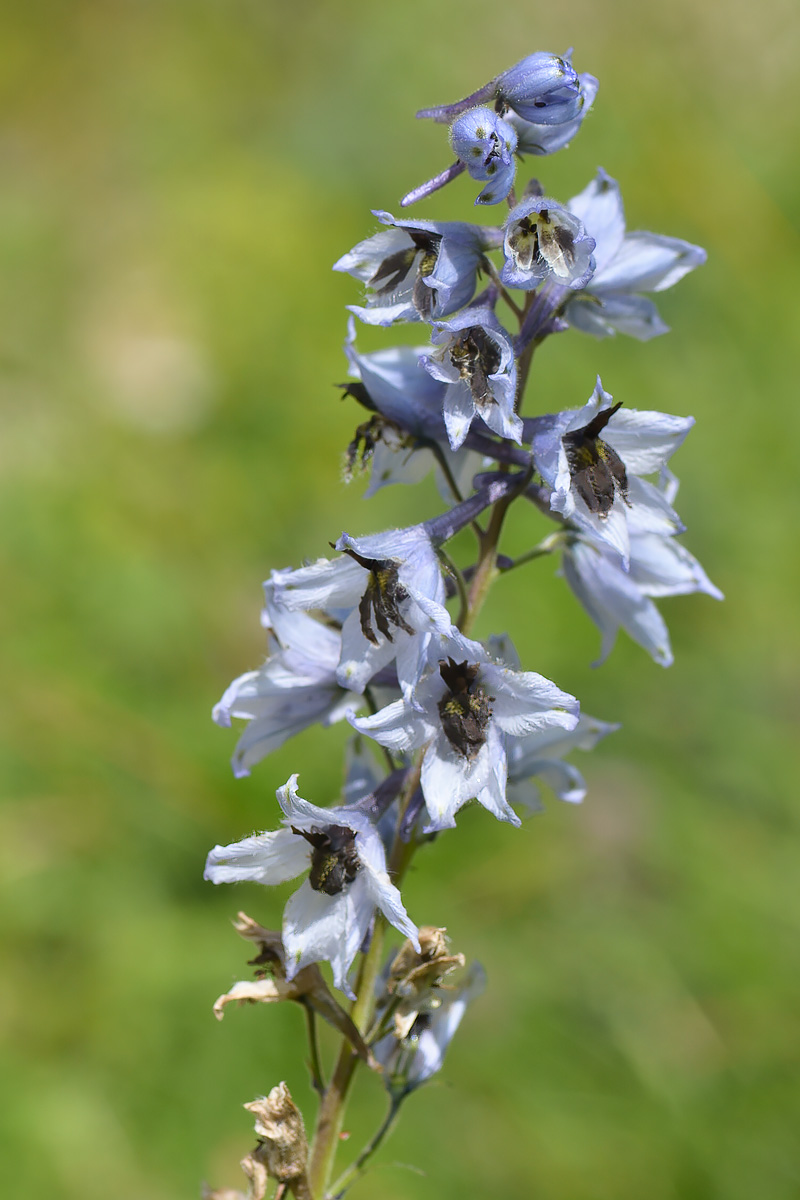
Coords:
pixel 395 268
pixel 382 598
pixel 334 862
pixel 465 709
pixel 596 469
pixel 539 238
pixel 476 356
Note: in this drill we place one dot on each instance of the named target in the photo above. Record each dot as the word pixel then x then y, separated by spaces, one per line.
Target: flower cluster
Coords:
pixel 380 634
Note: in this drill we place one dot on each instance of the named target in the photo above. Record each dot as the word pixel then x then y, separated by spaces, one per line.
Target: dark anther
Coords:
pixel 465 709
pixel 359 393
pixel 524 242
pixel 366 437
pixel 596 469
pixel 557 242
pixel 382 598
pixel 395 268
pixel 334 862
pixel 476 356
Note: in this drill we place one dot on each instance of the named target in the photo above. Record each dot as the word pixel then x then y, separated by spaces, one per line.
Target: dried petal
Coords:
pixel 279 1126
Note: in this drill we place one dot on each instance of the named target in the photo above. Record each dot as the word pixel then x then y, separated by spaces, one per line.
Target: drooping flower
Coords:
pixel 618 599
pixel 417 270
pixel 626 264
pixel 475 358
pixel 328 918
pixel 539 758
pixel 597 481
pixel 413 1059
pixel 296 687
pixel 463 712
pixel 485 144
pixel 408 436
pixel 391 586
pixel 544 240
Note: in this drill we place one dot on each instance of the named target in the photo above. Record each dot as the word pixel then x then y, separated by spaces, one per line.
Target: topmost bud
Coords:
pixel 542 88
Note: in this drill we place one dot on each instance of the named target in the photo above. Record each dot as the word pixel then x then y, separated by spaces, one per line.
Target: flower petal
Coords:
pixel 268 858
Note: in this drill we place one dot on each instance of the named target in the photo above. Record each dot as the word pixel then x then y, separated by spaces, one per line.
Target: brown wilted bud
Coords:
pixel 283 1148
pixel 308 986
pixel 414 979
pixel 256 1173
pixel 257 1178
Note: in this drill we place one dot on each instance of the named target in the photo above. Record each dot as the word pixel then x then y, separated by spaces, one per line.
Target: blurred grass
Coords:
pixel 176 179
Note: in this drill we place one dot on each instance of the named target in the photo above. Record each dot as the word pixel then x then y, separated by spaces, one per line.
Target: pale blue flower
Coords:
pixel 618 599
pixel 543 240
pixel 596 474
pixel 391 587
pixel 412 401
pixel 417 270
pixel 462 713
pixel 475 358
pixel 296 687
pixel 328 918
pixel 625 265
pixel 485 144
pixel 538 758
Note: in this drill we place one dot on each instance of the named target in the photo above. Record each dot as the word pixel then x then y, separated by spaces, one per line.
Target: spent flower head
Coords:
pixel 411 1059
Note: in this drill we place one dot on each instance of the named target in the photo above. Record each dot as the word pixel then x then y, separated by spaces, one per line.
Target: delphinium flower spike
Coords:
pixel 381 632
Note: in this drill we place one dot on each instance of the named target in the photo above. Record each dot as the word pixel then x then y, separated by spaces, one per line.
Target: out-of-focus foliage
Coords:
pixel 177 178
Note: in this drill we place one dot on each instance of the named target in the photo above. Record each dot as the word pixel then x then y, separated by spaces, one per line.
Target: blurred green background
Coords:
pixel 177 178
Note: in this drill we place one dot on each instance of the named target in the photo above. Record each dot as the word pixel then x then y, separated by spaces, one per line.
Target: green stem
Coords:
pixel 547 546
pixel 485 571
pixel 357 1167
pixel 332 1106
pixel 381 1026
pixel 458 578
pixel 313 1050
pixel 444 466
pixel 497 281
pixel 331 1109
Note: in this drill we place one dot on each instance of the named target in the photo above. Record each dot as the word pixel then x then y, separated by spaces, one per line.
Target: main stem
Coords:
pixel 332 1107
pixel 334 1099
